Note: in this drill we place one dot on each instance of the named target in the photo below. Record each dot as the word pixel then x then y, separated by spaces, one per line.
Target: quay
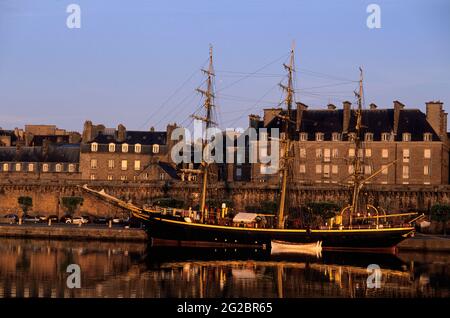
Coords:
pixel 74 232
pixel 426 243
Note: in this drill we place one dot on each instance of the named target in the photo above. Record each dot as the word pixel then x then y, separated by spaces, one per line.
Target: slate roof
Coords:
pixel 135 137
pixel 169 169
pixel 60 153
pixel 376 121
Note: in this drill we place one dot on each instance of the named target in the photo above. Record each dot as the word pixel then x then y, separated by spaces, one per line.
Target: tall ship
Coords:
pixel 195 228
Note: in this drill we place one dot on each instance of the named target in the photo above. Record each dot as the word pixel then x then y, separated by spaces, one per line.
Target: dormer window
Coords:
pixel 155 148
pixel 45 167
pixel 319 136
pixel 368 137
pixel 112 147
pixel 137 148
pixel 58 167
pixel 385 137
pixel 336 136
pixel 351 136
pixel 303 136
pixel 18 166
pixel 427 137
pixel 94 147
pixel 124 147
pixel 406 137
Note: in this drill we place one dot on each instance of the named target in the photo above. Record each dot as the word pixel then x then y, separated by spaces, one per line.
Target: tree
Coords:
pixel 25 203
pixel 441 213
pixel 72 203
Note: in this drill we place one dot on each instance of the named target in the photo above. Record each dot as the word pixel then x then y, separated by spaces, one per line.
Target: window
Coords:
pixel 384 153
pixel 30 167
pixel 93 163
pixel 327 155
pixel 302 153
pixel 112 147
pixel 93 176
pixel 405 155
pixel 162 176
pixel 368 137
pixel 426 170
pixel 384 169
pixel 351 169
pixel 326 171
pixel 336 136
pixel 302 169
pixel 137 148
pixel 58 167
pixel 368 169
pixel 360 153
pixel 5 167
pixel 110 163
pixel 351 136
pixel 124 147
pixel 319 153
pixel 110 177
pixel 239 172
pixel 427 153
pixel 155 148
pixel 303 136
pixel 351 152
pixel 405 172
pixel 319 136
pixel 368 152
pixel 94 147
pixel 335 153
pixel 18 166
pixel 318 168
pixel 137 165
pixel 124 165
pixel 406 137
pixel 71 167
pixel 385 137
pixel 427 137
pixel 334 169
pixel 45 167
pixel 123 178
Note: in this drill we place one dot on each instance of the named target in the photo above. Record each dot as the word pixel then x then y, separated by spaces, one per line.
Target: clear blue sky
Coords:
pixel 129 57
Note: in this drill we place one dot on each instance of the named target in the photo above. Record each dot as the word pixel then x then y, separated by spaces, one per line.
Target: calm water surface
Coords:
pixel 37 268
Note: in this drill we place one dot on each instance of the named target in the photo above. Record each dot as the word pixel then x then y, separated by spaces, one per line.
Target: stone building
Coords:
pixel 126 155
pixel 36 135
pixel 47 162
pixel 405 145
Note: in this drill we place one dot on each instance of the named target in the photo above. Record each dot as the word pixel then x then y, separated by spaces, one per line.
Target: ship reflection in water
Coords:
pixel 35 268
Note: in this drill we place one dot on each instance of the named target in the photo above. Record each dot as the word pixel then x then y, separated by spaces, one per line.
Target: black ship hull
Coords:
pixel 195 234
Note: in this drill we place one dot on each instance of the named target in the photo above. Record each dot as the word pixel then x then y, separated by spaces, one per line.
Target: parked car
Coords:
pixel 30 219
pixel 10 218
pixel 88 218
pixel 53 217
pixel 65 218
pixel 77 220
pixel 100 220
pixel 116 220
pixel 42 218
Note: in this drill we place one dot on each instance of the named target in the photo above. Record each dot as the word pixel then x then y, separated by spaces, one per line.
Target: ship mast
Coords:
pixel 358 175
pixel 208 104
pixel 286 138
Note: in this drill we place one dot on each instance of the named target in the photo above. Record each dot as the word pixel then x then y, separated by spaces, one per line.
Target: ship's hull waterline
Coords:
pixel 195 234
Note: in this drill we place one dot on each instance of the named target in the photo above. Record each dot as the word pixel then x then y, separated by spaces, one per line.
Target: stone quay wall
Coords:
pixel 47 195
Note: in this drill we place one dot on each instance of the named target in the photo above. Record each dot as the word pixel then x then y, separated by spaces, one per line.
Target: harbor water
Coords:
pixel 39 268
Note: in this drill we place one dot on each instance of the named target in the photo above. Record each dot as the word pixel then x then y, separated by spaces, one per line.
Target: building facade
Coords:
pixel 118 154
pixel 403 146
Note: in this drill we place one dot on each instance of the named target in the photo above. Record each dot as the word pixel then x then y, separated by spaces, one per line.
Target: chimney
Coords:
pixel 253 121
pixel 346 118
pixel 87 132
pixel 373 106
pixel 398 106
pixel 300 109
pixel 331 107
pixel 45 149
pixel 121 133
pixel 437 118
pixel 270 113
